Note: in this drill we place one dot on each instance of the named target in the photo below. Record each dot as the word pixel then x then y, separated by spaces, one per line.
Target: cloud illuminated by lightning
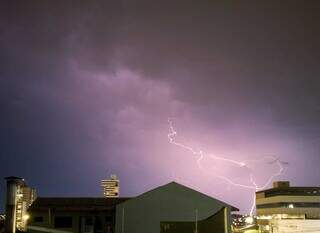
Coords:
pixel 246 163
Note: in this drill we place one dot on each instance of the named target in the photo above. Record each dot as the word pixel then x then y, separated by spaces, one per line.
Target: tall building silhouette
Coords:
pixel 19 198
pixel 111 187
pixel 25 197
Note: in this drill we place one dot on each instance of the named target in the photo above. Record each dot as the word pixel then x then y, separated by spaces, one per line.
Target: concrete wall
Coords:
pixel 171 202
pixel 215 223
pixel 287 198
pixel 48 222
pixel 311 212
pixel 299 226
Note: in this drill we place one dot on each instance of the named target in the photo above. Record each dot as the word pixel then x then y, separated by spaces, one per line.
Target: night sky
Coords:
pixel 87 87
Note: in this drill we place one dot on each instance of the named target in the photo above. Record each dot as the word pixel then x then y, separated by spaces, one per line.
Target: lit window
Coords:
pixel 249 220
pixel 63 222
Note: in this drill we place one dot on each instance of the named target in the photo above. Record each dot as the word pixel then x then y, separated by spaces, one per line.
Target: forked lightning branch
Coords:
pixel 253 186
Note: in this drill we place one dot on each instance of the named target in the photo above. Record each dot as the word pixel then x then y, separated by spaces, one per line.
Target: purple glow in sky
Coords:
pixel 86 90
pixel 220 167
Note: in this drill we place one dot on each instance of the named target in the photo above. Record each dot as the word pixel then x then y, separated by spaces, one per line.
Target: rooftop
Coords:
pixel 284 188
pixel 76 203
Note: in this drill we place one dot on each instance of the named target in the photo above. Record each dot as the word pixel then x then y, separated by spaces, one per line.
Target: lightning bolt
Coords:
pixel 201 155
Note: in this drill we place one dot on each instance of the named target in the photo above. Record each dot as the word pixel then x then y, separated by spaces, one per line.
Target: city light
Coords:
pixel 249 220
pixel 26 217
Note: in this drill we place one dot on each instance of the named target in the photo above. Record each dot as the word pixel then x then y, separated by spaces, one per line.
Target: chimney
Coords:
pixel 11 202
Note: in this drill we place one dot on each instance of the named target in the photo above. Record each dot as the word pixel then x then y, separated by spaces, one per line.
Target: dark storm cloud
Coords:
pixel 65 104
pixel 41 120
pixel 263 56
pixel 88 86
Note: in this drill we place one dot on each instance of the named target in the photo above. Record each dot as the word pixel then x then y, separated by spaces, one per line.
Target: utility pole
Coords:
pixel 196 221
pixel 122 220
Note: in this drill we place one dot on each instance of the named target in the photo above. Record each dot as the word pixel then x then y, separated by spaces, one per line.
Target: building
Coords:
pixel 286 209
pixel 11 203
pixel 19 197
pixel 244 223
pixel 25 197
pixel 78 215
pixel 111 187
pixel 173 208
pixel 167 209
pixel 2 222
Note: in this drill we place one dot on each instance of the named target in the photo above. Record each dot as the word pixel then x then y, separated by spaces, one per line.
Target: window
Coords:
pixel 97 224
pixel 88 221
pixel 88 224
pixel 38 219
pixel 109 219
pixel 291 206
pixel 63 222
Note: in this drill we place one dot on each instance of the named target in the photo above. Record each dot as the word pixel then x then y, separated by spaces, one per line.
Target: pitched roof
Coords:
pixel 76 203
pixel 223 203
pixel 177 185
